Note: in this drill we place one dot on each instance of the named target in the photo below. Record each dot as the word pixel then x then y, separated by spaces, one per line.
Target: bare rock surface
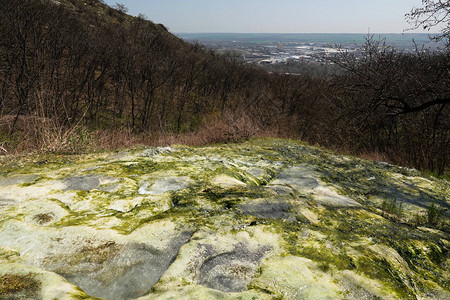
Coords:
pixel 264 219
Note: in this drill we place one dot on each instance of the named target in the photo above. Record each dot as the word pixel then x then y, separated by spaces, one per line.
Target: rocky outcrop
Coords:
pixel 265 219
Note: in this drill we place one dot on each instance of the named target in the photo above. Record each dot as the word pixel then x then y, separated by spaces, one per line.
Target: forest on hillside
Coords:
pixel 77 75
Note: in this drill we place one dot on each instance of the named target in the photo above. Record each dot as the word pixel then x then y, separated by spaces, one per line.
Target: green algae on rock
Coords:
pixel 264 219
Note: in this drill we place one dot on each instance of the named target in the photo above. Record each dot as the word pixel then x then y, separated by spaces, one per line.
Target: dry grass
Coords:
pixel 375 156
pixel 228 128
pixel 117 139
pixel 36 135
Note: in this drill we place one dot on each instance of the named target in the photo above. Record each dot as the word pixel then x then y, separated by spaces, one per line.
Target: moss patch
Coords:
pixel 14 286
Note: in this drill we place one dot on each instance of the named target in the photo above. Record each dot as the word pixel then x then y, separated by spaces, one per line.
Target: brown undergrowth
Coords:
pixel 40 136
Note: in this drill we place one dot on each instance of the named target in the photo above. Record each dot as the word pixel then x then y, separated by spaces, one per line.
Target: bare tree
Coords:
pixel 433 13
pixel 121 7
pixel 401 82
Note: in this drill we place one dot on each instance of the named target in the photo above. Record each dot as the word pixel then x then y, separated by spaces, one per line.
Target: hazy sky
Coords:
pixel 276 16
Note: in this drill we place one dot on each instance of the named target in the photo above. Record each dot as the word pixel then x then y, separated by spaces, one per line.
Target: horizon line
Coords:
pixel 365 33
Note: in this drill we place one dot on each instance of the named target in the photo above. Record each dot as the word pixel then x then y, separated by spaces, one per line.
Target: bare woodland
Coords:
pixel 74 76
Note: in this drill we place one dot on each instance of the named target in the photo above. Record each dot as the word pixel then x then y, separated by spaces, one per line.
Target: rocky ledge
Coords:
pixel 265 219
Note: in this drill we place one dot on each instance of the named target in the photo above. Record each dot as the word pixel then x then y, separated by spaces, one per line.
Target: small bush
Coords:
pixel 434 214
pixel 391 206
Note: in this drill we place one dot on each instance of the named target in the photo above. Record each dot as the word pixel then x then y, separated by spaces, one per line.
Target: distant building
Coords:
pixel 273 60
pixel 280 46
pixel 265 62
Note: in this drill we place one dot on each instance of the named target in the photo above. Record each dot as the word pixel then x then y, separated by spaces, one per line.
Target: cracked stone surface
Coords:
pixel 231 271
pixel 18 179
pixel 264 208
pixel 163 185
pixel 264 219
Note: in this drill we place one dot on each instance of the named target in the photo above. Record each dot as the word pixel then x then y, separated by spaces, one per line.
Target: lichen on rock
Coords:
pixel 264 219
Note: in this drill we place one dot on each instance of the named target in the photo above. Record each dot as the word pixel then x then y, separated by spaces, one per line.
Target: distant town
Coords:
pixel 279 52
pixel 272 49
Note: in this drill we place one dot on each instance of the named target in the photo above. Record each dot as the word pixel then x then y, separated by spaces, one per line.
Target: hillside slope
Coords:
pixel 265 219
pixel 77 76
pixel 82 62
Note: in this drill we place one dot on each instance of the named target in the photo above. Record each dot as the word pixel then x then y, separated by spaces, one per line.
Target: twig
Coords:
pixel 3 149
